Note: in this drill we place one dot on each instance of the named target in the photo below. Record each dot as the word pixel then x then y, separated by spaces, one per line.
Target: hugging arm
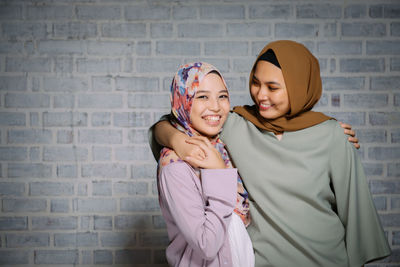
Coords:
pixel 164 134
pixel 167 135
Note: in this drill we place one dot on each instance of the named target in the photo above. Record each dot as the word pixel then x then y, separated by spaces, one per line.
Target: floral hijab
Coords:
pixel 183 89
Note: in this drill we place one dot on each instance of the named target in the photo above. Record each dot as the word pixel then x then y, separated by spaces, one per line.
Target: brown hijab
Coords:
pixel 300 71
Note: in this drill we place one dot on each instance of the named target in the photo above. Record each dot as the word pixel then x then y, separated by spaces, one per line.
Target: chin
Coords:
pixel 210 132
pixel 269 116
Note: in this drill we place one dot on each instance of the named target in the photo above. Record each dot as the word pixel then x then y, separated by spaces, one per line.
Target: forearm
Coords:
pixel 166 134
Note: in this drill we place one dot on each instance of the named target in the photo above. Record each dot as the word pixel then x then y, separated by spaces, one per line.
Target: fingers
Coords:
pixel 350 132
pixel 203 139
pixel 204 147
pixel 354 140
pixel 197 152
pixel 345 125
pixel 196 163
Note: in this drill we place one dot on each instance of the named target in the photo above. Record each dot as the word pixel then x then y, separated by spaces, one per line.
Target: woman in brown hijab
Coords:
pixel 310 203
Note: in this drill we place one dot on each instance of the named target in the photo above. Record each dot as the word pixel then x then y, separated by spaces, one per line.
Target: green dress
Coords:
pixel 310 202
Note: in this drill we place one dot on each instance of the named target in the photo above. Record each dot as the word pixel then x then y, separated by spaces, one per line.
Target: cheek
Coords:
pixel 253 92
pixel 226 106
pixel 194 111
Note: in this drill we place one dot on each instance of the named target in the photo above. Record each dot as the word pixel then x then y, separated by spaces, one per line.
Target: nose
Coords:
pixel 214 104
pixel 262 93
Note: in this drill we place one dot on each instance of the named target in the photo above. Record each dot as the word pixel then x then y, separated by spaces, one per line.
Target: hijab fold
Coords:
pixel 301 73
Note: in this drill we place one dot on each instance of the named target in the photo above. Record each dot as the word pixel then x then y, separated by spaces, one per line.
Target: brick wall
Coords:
pixel 81 81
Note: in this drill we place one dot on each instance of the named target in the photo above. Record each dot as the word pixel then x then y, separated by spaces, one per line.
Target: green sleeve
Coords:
pixel 155 147
pixel 365 239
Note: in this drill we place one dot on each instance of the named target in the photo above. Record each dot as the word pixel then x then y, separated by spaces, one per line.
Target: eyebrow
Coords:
pixel 269 82
pixel 204 91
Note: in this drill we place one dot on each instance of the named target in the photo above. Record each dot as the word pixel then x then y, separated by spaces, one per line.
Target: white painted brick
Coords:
pixel 24 205
pixel 58 47
pixel 64 119
pixel 226 48
pixel 248 29
pixel 159 30
pixel 270 11
pixel 62 153
pixel 318 11
pixel 147 13
pixel 95 205
pixel 29 30
pixel 123 30
pixel 51 189
pixel 64 84
pixel 137 84
pixel 29 170
pixel 12 83
pixel 108 48
pixel 196 30
pixel 104 170
pixel 75 30
pixel 98 65
pixel 56 256
pixel 98 12
pixel 295 30
pixel 222 12
pixel 100 101
pixel 32 136
pixel 49 12
pixel 178 48
pixel 10 12
pixel 28 64
pixel 100 136
pixel 7 47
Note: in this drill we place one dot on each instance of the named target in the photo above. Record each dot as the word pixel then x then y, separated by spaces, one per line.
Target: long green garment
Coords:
pixel 310 202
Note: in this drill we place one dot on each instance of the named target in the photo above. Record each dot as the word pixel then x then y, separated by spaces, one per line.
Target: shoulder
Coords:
pixel 328 125
pixel 178 173
pixel 178 177
pixel 234 117
pixel 233 124
pixel 329 128
pixel 168 156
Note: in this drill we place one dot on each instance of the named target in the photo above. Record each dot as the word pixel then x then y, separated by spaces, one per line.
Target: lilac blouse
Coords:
pixel 197 213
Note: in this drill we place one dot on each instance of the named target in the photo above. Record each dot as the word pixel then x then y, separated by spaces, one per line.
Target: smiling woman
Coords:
pixel 205 210
pixel 309 198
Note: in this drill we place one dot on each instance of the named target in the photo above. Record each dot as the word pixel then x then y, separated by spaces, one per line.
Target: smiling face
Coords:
pixel 210 106
pixel 268 91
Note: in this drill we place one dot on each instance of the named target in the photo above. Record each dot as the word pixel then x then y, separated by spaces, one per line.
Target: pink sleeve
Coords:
pixel 203 227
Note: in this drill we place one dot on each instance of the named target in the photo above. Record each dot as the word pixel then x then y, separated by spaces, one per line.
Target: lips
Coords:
pixel 212 120
pixel 264 106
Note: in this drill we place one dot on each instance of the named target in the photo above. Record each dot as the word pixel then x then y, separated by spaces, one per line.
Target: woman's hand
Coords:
pixel 185 149
pixel 169 136
pixel 351 133
pixel 212 159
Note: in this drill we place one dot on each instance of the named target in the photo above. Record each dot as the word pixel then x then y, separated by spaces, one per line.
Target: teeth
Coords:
pixel 265 105
pixel 212 118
